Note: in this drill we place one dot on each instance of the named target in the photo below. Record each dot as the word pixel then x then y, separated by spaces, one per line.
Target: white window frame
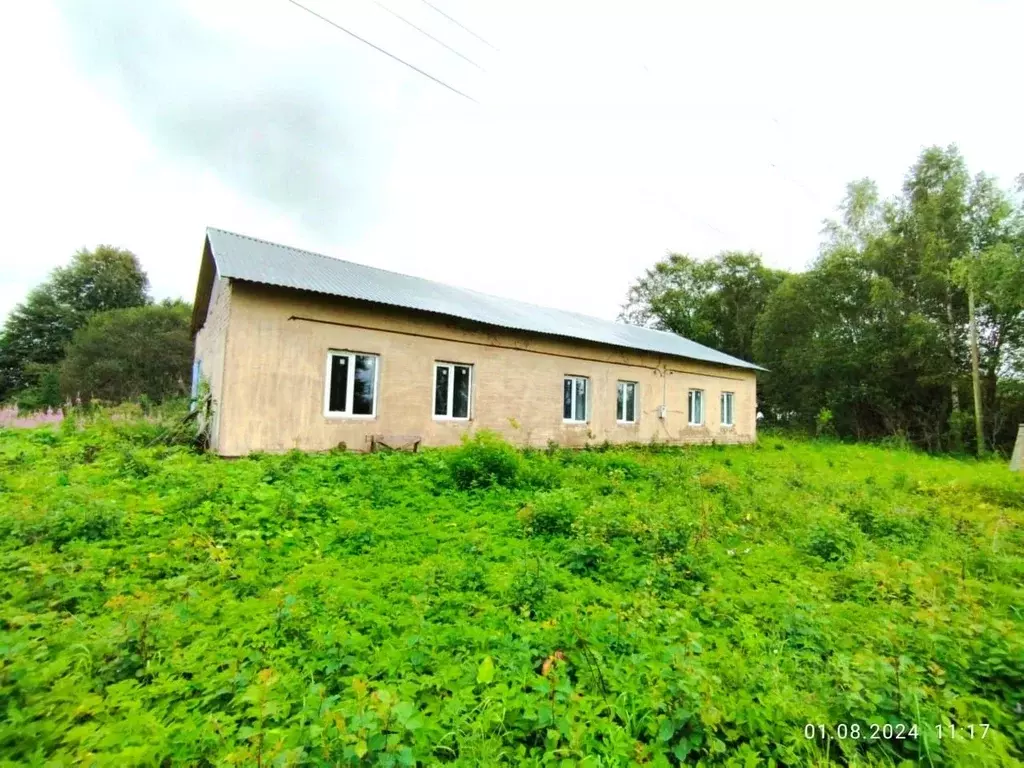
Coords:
pixel 451 392
pixel 350 384
pixel 586 401
pixel 731 397
pixel 636 402
pixel 690 409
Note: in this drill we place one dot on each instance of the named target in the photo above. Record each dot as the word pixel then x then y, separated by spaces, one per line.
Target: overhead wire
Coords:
pixel 458 24
pixel 427 34
pixel 811 195
pixel 413 67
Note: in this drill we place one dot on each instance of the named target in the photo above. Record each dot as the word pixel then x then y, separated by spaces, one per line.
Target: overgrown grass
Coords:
pixel 483 606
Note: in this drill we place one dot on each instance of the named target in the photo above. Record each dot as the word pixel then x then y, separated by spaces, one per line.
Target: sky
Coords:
pixel 600 135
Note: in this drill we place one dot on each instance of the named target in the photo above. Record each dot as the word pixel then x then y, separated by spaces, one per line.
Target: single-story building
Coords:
pixel 301 350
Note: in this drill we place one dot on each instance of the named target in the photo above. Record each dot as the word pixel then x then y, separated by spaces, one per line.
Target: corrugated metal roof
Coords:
pixel 246 258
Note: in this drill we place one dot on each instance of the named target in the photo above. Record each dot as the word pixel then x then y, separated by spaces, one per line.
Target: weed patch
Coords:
pixel 652 605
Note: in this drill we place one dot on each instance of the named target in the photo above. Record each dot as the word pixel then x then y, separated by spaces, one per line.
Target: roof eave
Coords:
pixel 744 366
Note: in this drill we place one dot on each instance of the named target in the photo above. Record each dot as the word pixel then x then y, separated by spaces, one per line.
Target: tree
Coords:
pixel 33 335
pixel 993 274
pixel 908 298
pixel 106 278
pixel 841 337
pixel 37 330
pixel 883 330
pixel 123 354
pixel 714 302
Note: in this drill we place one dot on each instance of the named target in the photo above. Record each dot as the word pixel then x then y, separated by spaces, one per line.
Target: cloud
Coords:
pixel 278 123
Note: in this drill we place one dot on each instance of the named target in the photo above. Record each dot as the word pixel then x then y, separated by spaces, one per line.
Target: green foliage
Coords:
pixel 714 302
pixel 825 422
pixel 874 333
pixel 832 541
pixel 44 393
pixel 37 330
pixel 551 513
pixel 485 460
pixel 677 606
pixel 141 353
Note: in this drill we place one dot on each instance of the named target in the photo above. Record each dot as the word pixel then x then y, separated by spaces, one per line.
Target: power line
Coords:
pixel 424 32
pixel 381 50
pixel 463 26
pixel 812 194
pixel 803 187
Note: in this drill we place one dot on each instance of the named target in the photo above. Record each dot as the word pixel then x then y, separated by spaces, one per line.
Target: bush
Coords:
pixel 63 526
pixel 528 591
pixel 551 513
pixel 484 461
pixel 897 525
pixel 718 480
pixel 142 353
pixel 831 541
pixel 44 394
pixel 539 472
pixel 824 423
pixel 585 557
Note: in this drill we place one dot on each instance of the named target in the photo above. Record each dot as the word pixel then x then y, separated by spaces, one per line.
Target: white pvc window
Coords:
pixel 728 400
pixel 625 403
pixel 695 407
pixel 452 388
pixel 351 384
pixel 575 398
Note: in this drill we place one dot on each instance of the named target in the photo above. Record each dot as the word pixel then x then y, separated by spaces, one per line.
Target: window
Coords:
pixel 451 390
pixel 695 407
pixel 625 404
pixel 351 384
pixel 727 409
pixel 574 390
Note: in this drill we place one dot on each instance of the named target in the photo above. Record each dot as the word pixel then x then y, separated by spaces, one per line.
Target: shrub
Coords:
pixel 831 541
pixel 44 394
pixel 75 523
pixel 718 480
pixel 353 538
pixel 528 591
pixel 670 535
pixel 537 471
pixel 550 513
pixel 585 557
pixel 824 423
pixel 141 353
pixel 130 465
pixel 484 461
pixel 898 525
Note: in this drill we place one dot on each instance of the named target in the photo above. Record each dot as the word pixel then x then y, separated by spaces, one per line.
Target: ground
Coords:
pixel 806 603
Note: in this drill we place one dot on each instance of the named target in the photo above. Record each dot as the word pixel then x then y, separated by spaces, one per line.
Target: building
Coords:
pixel 305 351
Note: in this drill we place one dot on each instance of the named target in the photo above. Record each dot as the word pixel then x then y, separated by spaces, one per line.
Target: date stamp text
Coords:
pixel 891 731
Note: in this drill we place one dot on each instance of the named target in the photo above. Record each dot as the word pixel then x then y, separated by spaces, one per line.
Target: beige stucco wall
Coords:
pixel 211 342
pixel 275 371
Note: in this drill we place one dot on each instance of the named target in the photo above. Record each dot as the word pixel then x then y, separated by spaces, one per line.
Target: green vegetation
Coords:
pixel 128 354
pixel 910 321
pixel 91 331
pixel 36 331
pixel 482 606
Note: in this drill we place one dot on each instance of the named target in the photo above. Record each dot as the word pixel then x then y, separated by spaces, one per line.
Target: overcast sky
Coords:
pixel 605 133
